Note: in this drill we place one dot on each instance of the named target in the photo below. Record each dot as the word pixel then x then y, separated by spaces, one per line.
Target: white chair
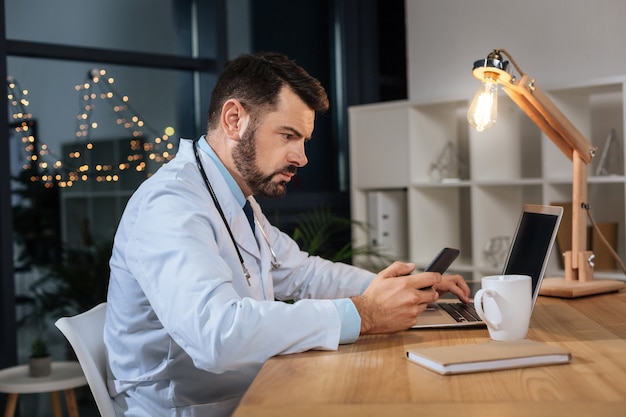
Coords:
pixel 85 333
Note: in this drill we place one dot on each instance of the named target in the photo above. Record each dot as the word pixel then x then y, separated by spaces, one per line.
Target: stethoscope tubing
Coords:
pixel 220 211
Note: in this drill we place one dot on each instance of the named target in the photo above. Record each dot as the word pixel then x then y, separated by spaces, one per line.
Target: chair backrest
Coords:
pixel 85 333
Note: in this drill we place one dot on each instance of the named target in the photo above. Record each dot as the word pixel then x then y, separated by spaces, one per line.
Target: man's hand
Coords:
pixel 456 285
pixel 393 300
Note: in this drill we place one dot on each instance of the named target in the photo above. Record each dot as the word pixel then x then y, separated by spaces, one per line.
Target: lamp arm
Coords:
pixel 546 115
pixel 534 115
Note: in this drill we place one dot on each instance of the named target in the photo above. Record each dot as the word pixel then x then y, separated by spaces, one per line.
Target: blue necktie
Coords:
pixel 247 208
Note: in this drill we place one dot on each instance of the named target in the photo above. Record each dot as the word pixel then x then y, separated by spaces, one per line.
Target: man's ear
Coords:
pixel 234 118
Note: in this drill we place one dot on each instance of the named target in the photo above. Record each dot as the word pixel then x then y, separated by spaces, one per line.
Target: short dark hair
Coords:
pixel 256 81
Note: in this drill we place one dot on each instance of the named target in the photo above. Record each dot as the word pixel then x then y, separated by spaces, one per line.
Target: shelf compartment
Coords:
pixel 607 206
pixel 441 217
pixel 594 111
pixel 496 211
pixel 379 142
pixel 438 135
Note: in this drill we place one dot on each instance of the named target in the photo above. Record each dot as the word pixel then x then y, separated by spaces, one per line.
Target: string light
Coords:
pixel 24 128
pixel 97 88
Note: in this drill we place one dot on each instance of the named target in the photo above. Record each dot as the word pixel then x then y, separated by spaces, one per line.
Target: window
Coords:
pixel 154 60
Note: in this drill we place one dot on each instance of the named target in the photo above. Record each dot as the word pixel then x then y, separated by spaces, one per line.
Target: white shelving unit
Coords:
pixel 394 145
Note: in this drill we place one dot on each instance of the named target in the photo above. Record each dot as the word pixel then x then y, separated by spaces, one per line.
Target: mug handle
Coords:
pixel 478 306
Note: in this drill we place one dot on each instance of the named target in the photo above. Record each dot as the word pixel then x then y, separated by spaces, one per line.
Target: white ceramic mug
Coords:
pixel 504 303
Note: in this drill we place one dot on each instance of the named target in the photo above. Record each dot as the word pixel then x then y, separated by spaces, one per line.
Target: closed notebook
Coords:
pixel 489 356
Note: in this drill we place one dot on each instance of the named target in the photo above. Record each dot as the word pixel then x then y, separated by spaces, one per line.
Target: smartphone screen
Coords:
pixel 441 262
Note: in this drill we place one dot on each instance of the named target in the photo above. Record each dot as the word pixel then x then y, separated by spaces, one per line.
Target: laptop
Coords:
pixel 528 255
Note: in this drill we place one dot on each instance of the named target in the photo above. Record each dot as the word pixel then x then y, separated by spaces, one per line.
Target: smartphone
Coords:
pixel 442 261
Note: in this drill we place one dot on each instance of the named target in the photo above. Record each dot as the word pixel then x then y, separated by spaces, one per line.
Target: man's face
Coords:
pixel 269 154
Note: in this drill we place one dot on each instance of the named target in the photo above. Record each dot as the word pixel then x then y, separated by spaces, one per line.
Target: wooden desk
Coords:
pixel 373 378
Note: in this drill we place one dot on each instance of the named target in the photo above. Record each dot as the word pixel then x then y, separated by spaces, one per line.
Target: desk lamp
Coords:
pixel 482 113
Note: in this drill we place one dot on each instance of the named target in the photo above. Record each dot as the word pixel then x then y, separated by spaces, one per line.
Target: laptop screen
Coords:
pixel 530 251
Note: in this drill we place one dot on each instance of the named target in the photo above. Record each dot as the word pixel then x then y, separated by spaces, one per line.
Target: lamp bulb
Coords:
pixel 483 110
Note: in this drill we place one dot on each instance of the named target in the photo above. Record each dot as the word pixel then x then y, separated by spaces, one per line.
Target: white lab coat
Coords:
pixel 185 333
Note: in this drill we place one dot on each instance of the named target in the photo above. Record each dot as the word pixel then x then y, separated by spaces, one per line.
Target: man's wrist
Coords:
pixel 361 303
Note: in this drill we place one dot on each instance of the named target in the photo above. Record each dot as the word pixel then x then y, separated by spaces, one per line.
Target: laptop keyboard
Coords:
pixel 461 312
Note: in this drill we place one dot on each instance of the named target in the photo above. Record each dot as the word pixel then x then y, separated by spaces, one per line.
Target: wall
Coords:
pixel 558 42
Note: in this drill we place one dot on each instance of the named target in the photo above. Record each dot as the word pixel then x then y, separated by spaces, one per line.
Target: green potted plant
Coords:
pixel 35 321
pixel 40 361
pixel 318 232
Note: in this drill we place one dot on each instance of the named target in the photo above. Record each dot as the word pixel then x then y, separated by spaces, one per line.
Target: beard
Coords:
pixel 261 184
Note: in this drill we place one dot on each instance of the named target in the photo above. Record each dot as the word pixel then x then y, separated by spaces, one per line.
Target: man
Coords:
pixel 191 313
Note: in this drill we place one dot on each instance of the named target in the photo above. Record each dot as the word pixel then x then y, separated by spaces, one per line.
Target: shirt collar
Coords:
pixel 232 184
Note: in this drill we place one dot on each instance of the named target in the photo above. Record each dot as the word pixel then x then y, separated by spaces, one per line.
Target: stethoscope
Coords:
pixel 275 263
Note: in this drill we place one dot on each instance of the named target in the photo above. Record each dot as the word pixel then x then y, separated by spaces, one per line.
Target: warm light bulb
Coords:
pixel 483 111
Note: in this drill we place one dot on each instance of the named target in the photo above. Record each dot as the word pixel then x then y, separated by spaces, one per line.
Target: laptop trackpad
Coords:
pixel 434 315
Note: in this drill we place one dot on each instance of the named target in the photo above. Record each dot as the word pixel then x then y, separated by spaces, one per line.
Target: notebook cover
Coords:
pixel 488 356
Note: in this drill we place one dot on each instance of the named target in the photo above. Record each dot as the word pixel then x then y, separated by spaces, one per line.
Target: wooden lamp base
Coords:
pixel 562 288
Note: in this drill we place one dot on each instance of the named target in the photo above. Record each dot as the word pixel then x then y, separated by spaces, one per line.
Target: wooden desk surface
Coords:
pixel 372 377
